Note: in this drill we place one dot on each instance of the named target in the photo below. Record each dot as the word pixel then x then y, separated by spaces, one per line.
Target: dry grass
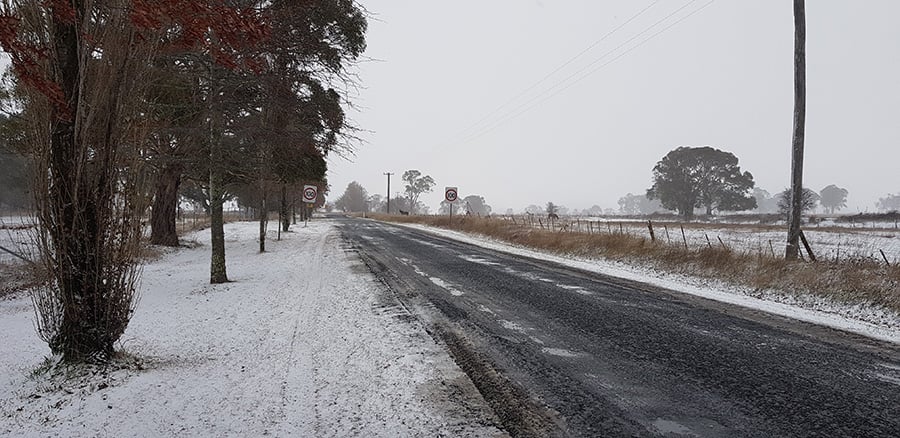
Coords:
pixel 862 281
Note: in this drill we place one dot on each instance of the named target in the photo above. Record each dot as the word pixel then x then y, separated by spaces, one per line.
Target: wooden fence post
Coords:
pixel 723 243
pixel 806 245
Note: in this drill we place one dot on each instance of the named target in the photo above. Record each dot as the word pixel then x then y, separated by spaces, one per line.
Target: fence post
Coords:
pixel 650 226
pixel 683 237
pixel 723 243
pixel 806 245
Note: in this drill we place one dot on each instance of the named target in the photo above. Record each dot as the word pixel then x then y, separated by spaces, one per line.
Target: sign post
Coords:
pixel 451 194
pixel 310 194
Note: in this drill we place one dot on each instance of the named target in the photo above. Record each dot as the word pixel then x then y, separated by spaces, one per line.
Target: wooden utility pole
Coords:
pixel 389 192
pixel 793 243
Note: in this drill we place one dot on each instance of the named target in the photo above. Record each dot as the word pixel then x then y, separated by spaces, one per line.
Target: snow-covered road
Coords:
pixel 303 342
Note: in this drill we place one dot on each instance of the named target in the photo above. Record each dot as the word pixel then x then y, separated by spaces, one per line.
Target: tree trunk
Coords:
pixel 217 271
pixel 285 219
pixel 263 218
pixel 792 250
pixel 687 212
pixel 76 212
pixel 165 207
pixel 72 217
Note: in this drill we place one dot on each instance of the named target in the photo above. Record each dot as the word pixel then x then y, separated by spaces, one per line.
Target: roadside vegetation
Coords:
pixel 852 280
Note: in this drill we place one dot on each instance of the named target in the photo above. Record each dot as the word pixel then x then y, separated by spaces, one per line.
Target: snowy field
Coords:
pixel 14 236
pixel 828 240
pixel 303 342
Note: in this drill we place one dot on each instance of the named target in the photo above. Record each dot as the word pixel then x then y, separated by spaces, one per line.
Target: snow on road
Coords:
pixel 303 342
pixel 876 323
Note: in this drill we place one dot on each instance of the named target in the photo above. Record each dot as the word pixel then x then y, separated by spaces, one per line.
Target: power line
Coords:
pixel 527 104
pixel 540 98
pixel 562 66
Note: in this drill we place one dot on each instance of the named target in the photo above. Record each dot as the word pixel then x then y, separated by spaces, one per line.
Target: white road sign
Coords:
pixel 310 193
pixel 451 194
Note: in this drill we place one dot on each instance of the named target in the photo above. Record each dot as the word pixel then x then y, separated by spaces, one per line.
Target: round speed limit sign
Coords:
pixel 310 193
pixel 451 194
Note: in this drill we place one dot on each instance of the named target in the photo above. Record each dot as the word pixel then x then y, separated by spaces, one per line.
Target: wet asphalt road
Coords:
pixel 561 352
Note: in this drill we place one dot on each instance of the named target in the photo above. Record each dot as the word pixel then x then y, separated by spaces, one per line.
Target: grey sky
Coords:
pixel 722 77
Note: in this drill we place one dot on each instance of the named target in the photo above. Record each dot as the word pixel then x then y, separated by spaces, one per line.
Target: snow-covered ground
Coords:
pixel 303 342
pixel 828 240
pixel 865 320
pixel 14 236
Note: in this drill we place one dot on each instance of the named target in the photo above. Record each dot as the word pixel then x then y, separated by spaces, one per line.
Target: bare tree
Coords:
pixel 82 66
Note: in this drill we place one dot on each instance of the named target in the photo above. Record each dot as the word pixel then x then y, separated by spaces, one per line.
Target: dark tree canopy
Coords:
pixel 833 198
pixel 688 178
pixel 552 208
pixel 808 201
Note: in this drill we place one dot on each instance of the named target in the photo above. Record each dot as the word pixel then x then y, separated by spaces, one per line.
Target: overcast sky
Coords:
pixel 463 91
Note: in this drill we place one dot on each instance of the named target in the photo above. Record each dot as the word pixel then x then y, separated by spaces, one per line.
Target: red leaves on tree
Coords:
pixel 227 34
pixel 26 61
pixel 62 10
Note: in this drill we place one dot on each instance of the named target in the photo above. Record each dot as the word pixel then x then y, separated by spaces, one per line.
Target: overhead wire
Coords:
pixel 555 89
pixel 563 65
pixel 527 104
